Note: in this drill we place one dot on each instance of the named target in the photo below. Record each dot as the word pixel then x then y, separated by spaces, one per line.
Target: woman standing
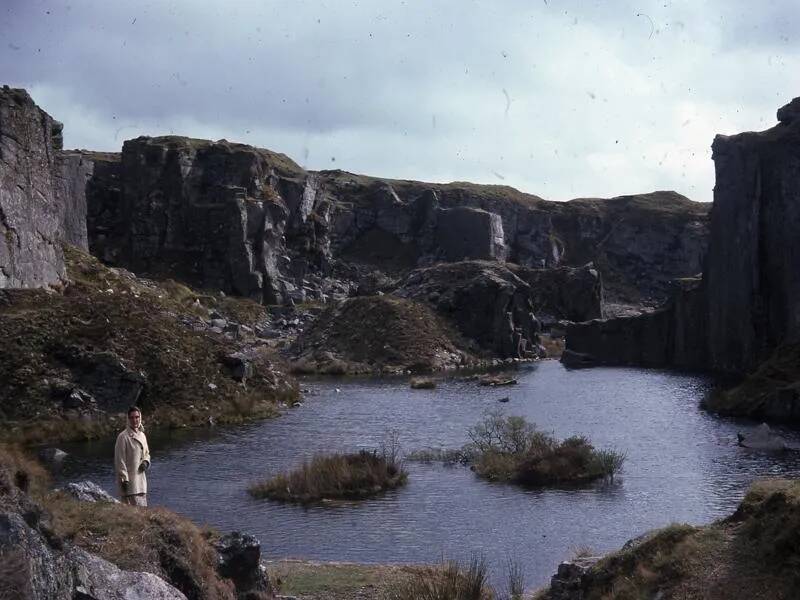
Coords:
pixel 131 460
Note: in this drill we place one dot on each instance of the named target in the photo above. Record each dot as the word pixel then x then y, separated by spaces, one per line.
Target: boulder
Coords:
pixel 78 399
pixel 53 457
pixel 57 571
pixel 422 383
pixel 239 365
pixel 572 578
pixel 240 561
pixel 98 579
pixel 88 491
pixel 577 360
pixel 762 438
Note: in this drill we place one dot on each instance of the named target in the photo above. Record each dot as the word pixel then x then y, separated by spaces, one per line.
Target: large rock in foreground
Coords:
pixel 240 561
pixel 36 568
pixel 42 203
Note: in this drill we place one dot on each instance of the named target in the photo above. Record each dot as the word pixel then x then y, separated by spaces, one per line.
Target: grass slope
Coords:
pixel 108 312
pixel 378 333
pixel 753 554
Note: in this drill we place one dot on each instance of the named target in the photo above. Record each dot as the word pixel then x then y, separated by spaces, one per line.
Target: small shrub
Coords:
pixel 337 476
pixel 509 448
pixel 610 461
pixel 496 466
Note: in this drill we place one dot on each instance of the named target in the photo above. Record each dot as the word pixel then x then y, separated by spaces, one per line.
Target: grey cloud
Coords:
pixel 559 98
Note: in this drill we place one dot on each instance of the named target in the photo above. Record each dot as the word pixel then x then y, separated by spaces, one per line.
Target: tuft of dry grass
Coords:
pixel 336 476
pixel 449 581
pixel 154 540
pixel 21 471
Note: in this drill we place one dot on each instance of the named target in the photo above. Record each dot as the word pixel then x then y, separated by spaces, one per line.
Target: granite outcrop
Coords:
pixel 252 222
pixel 484 300
pixel 42 203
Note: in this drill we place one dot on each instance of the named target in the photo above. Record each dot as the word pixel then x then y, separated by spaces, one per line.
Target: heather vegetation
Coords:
pixel 510 448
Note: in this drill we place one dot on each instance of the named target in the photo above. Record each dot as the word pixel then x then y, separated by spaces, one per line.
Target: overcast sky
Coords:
pixel 558 98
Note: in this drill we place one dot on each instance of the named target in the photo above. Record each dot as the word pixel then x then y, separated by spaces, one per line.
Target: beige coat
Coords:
pixel 129 453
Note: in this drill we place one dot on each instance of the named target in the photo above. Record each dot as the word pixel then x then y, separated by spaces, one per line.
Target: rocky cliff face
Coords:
pixel 484 300
pixel 253 223
pixel 752 279
pixel 673 335
pixel 41 194
pixel 747 307
pixel 564 293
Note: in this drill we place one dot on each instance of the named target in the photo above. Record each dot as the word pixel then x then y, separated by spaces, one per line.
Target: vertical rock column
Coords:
pixel 32 217
pixel 751 277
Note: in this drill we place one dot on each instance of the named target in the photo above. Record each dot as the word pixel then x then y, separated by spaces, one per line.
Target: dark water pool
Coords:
pixel 683 466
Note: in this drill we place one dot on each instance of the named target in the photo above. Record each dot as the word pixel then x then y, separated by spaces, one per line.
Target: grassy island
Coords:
pixel 509 448
pixel 351 476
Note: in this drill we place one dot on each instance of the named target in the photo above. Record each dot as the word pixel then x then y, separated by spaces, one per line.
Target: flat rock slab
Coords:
pixel 762 438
